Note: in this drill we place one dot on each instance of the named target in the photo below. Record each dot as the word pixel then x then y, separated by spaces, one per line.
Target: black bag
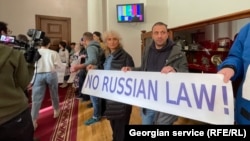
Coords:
pixel 101 58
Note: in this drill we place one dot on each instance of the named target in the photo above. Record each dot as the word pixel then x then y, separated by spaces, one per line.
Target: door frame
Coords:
pixel 66 19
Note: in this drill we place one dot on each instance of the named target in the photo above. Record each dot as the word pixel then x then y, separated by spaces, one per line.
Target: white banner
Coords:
pixel 203 97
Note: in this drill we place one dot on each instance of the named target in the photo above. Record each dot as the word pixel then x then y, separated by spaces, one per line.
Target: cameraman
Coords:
pixel 15 119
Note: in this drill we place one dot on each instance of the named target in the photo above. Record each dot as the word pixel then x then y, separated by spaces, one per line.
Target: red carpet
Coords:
pixel 63 128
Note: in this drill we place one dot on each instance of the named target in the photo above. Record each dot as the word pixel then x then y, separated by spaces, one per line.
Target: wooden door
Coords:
pixel 56 28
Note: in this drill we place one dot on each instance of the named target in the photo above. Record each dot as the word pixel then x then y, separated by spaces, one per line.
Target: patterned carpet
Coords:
pixel 64 128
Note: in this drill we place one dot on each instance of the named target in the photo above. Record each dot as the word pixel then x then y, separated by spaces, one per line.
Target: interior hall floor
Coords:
pixel 99 131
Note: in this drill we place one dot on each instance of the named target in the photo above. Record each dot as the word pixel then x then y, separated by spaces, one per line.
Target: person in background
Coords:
pixel 98 37
pixel 64 55
pixel 92 49
pixel 236 66
pixel 161 55
pixel 15 119
pixel 22 39
pixel 72 50
pixel 75 59
pixel 45 75
pixel 82 74
pixel 68 47
pixel 117 113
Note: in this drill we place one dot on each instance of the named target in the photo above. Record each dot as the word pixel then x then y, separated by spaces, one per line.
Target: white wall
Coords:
pixel 181 12
pixel 20 14
pixel 95 15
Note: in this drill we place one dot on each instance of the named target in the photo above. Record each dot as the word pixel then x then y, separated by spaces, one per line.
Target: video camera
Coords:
pixel 30 47
pixel 31 54
pixel 36 35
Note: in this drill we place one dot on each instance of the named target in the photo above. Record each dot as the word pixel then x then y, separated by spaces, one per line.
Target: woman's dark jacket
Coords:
pixel 117 110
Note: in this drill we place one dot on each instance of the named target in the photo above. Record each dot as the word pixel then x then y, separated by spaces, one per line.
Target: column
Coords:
pixel 95 15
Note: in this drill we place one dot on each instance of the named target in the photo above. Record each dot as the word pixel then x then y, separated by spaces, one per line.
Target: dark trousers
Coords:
pixel 118 128
pixel 20 128
pixel 82 76
pixel 103 105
